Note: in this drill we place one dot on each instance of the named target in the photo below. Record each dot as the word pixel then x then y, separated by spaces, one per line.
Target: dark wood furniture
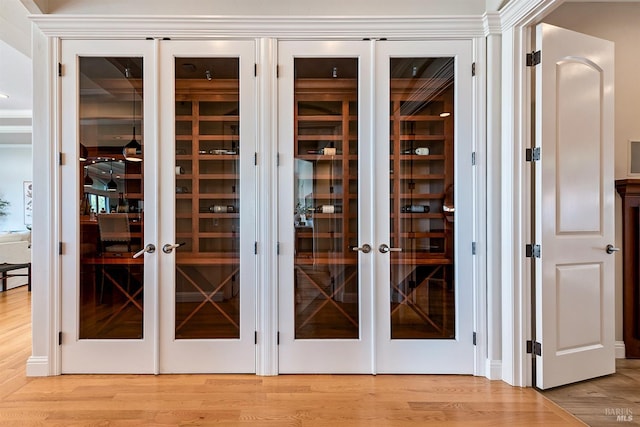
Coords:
pixel 629 190
pixel 6 268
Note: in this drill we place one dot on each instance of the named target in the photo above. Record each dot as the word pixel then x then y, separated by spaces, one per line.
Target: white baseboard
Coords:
pixel 38 366
pixel 493 369
pixel 620 350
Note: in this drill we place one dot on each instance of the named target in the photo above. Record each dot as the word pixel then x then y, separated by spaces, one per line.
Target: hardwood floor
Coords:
pixel 230 400
pixel 606 401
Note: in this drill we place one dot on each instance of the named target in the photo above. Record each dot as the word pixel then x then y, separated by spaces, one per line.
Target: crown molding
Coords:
pixel 523 12
pixel 15 129
pixel 185 27
pixel 492 23
pixel 15 114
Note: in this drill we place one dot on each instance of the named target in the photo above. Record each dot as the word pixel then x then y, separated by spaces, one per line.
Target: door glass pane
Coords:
pixel 325 191
pixel 422 210
pixel 111 205
pixel 207 195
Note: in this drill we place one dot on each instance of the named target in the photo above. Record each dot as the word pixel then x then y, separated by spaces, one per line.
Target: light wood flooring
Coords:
pixel 230 400
pixel 613 400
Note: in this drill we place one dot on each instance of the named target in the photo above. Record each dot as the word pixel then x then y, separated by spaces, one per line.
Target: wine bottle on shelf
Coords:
pixel 420 151
pixel 415 209
pixel 328 209
pixel 327 151
pixel 223 151
pixel 222 209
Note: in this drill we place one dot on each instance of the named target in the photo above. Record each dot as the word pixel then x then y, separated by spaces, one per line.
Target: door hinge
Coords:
pixel 532 154
pixel 277 159
pixel 255 70
pixel 255 337
pixel 278 338
pixel 473 158
pixel 475 337
pixel 278 248
pixel 532 251
pixel 60 248
pixel 60 158
pixel 533 58
pixel 473 248
pixel 255 159
pixel 255 248
pixel 534 347
pixel 473 69
pixel 60 338
pixel 59 69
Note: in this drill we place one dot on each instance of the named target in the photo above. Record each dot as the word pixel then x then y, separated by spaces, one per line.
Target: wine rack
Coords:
pixel 207 169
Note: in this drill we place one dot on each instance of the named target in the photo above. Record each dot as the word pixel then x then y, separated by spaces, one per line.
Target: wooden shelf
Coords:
pixel 207 126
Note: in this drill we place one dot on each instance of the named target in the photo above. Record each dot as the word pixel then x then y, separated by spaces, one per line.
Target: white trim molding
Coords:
pixel 620 350
pixel 15 114
pixel 325 27
pixel 492 23
pixel 38 366
pixel 493 369
pixel 15 129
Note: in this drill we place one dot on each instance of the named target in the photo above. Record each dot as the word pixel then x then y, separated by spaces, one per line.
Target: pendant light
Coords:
pixel 112 186
pixel 133 150
pixel 88 182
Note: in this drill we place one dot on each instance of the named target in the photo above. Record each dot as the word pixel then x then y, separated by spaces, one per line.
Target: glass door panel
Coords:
pixel 111 211
pixel 207 292
pixel 325 196
pixel 421 206
pixel 209 223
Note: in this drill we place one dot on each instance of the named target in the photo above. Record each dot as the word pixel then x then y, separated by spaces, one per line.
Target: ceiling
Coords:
pixel 15 74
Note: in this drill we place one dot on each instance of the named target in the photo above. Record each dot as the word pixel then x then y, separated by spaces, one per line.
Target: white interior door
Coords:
pixel 574 207
pixel 108 295
pixel 424 207
pixel 325 206
pixel 208 228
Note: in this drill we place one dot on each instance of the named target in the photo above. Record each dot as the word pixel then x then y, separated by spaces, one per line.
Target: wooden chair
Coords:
pixel 115 241
pixel 115 234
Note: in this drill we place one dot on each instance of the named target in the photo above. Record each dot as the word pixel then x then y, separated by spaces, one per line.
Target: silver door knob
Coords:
pixel 168 248
pixel 366 248
pixel 383 248
pixel 150 248
pixel 611 249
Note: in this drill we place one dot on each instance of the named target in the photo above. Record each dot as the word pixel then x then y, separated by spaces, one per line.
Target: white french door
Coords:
pixel 425 210
pixel 208 280
pixel 375 239
pixel 158 269
pixel 160 215
pixel 109 204
pixel 326 159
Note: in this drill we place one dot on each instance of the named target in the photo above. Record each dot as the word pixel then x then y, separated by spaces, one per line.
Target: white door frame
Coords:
pixel 518 19
pixel 50 29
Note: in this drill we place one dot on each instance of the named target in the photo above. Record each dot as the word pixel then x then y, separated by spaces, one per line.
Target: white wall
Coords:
pixel 15 168
pixel 617 22
pixel 273 7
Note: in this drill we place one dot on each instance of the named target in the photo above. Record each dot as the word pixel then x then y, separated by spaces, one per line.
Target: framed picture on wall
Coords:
pixel 28 201
pixel 634 158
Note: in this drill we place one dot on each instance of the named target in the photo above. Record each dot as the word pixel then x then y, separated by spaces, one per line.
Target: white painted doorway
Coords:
pixel 574 208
